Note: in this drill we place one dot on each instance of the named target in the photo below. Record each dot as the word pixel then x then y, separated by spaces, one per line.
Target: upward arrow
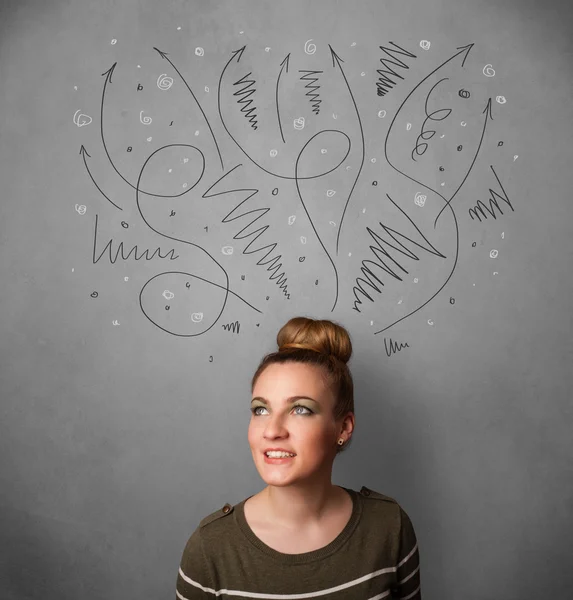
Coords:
pixel 284 63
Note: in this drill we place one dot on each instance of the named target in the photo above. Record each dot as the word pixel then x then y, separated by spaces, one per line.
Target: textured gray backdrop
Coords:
pixel 178 179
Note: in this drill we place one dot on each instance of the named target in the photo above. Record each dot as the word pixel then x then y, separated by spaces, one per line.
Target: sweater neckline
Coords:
pixel 304 557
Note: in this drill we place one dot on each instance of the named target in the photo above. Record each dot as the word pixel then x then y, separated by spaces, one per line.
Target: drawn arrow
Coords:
pixel 236 55
pixel 488 116
pixel 85 153
pixel 339 60
pixel 284 62
pixel 165 55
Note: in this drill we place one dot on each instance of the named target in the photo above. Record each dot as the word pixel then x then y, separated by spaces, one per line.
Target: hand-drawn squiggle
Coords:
pixel 226 287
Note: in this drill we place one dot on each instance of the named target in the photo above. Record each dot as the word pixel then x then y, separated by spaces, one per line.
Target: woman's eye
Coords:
pixel 256 414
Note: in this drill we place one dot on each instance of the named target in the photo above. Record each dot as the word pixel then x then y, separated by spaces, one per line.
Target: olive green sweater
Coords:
pixel 375 556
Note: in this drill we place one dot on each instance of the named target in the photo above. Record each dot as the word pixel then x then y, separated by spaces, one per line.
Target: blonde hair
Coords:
pixel 323 343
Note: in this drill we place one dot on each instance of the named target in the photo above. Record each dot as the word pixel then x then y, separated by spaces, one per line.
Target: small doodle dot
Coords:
pixel 149 139
pixel 291 219
pixel 126 278
pixel 273 153
pixel 197 317
pixel 493 254
pixel 362 74
pixel 415 280
pixel 408 126
pixel 464 94
pixel 515 157
pixel 227 250
pixel 267 49
pixel 323 151
pixel 81 209
pixel 168 295
pixel 374 183
pixel 460 148
pixel 501 99
pixel 170 170
pixel 124 224
pixel 430 322
pixel 381 114
pixel 76 88
pixel 420 199
pixel 330 193
pixel 303 239
pixel 199 51
pixel 301 259
pixel 425 45
pixel 178 28
pixel 113 42
pixel 206 88
pixel 372 160
pixel 298 123
pixel 353 44
pixel 500 143
pixel 94 294
pixel 463 123
pixel 275 191
pixel 350 254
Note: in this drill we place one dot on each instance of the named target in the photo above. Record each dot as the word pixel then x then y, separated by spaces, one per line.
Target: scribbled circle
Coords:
pixel 309 48
pixel 464 94
pixel 168 295
pixel 420 199
pixel 199 51
pixel 425 45
pixel 164 82
pixel 273 152
pixel 312 163
pixel 488 71
pixel 81 209
pixel 381 114
pixel 155 179
pixel 227 250
pixel 113 42
pixel 198 304
pixel 81 119
pixel 493 254
pixel 299 123
pixel 501 99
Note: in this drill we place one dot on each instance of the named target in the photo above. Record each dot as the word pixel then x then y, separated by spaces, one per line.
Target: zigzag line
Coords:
pixel 273 261
pixel 246 92
pixel 493 203
pixel 380 251
pixel 385 84
pixel 312 89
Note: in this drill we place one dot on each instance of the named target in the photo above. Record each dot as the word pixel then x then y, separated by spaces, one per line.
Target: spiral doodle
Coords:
pixel 488 71
pixel 145 120
pixel 309 48
pixel 164 82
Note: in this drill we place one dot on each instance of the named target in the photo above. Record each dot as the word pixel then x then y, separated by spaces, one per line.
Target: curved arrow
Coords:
pixel 237 54
pixel 84 153
pixel 285 61
pixel 165 55
pixel 338 61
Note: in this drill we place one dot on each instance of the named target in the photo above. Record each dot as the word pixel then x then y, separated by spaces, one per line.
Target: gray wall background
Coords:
pixel 116 440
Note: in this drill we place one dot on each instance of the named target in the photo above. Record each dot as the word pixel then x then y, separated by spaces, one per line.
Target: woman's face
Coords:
pixel 304 425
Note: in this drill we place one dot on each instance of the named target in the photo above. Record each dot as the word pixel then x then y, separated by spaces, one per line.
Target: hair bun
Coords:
pixel 323 336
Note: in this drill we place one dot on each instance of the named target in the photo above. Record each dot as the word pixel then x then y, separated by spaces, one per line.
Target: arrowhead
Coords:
pixel 239 53
pixel 467 49
pixel 335 56
pixel 162 54
pixel 286 60
pixel 84 152
pixel 109 72
pixel 487 109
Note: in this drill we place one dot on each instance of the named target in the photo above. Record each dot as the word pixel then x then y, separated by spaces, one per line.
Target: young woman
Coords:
pixel 302 536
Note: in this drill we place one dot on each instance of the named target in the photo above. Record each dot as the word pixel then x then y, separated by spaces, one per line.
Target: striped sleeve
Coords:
pixel 193 578
pixel 408 567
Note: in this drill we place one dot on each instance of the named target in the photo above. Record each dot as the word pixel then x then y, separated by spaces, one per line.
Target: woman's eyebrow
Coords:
pixel 287 401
